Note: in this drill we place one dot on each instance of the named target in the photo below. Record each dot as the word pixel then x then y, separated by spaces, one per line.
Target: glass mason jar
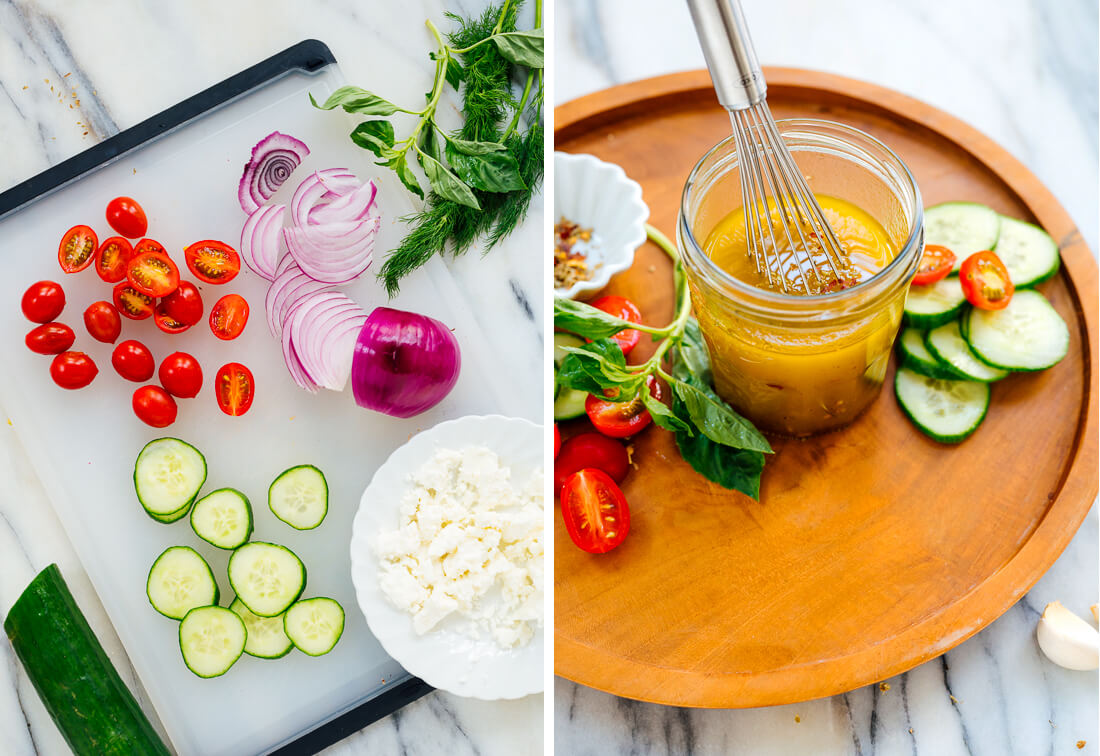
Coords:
pixel 799 365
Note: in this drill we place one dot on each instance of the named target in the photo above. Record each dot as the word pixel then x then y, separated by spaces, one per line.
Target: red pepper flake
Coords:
pixel 70 73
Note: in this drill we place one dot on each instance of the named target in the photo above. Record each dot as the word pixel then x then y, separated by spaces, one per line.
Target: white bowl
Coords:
pixel 443 657
pixel 599 196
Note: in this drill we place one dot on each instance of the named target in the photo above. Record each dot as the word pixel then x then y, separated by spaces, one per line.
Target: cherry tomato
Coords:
pixel 126 217
pixel 43 301
pixel 77 249
pixel 557 441
pixel 50 338
pixel 184 305
pixel 166 322
pixel 621 419
pixel 595 511
pixel 985 281
pixel 590 450
pixel 212 262
pixel 149 245
pixel 131 303
pixel 153 273
pixel 181 375
pixel 623 308
pixel 154 406
pixel 73 370
pixel 229 316
pixel 133 361
pixel 235 388
pixel 111 259
pixel 935 263
pixel 102 321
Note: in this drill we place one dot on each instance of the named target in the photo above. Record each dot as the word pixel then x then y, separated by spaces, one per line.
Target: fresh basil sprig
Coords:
pixel 714 439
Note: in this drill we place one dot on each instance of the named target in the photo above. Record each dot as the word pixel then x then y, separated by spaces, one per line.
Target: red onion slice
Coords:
pixel 261 240
pixel 288 287
pixel 273 159
pixel 315 186
pixel 318 329
pixel 356 205
pixel 334 253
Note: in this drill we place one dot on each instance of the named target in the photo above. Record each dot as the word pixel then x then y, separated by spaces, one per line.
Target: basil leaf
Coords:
pixel 488 171
pixel 692 358
pixel 467 147
pixel 376 136
pixel 585 320
pixel 524 48
pixel 454 73
pixel 717 420
pixel 428 141
pixel 738 469
pixel 446 184
pixel 665 417
pixel 356 100
pixel 598 366
pixel 400 165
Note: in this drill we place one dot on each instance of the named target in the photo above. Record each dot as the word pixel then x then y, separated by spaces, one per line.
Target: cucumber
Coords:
pixel 167 477
pixel 211 640
pixel 945 411
pixel 299 497
pixel 1028 252
pixel 267 578
pixel 962 227
pixel 932 305
pixel 569 402
pixel 950 348
pixel 223 518
pixel 80 688
pixel 315 625
pixel 914 355
pixel 266 637
pixel 1028 334
pixel 180 580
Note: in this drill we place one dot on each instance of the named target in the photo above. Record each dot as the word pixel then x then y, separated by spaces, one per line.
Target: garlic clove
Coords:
pixel 1067 640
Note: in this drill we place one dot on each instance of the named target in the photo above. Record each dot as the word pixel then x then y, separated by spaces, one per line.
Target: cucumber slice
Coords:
pixel 1028 334
pixel 267 578
pixel 315 625
pixel 266 637
pixel 167 476
pixel 915 356
pixel 299 497
pixel 565 340
pixel 950 348
pixel 179 581
pixel 223 518
pixel 211 640
pixel 569 402
pixel 934 304
pixel 172 516
pixel 946 411
pixel 962 227
pixel 1029 253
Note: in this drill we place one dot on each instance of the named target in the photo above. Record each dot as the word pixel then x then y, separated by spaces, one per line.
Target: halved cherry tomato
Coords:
pixel 228 316
pixel 184 305
pixel 153 273
pixel 43 301
pixel 623 308
pixel 557 441
pixel 154 406
pixel 149 245
pixel 102 321
pixel 77 249
pixel 133 361
pixel 126 217
pixel 212 262
pixel 621 419
pixel 935 263
pixel 73 370
pixel 985 281
pixel 590 450
pixel 50 338
pixel 131 303
pixel 166 322
pixel 181 375
pixel 235 388
pixel 595 511
pixel 112 258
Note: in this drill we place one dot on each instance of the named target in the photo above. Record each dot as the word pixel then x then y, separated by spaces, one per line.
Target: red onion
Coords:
pixel 261 239
pixel 404 363
pixel 274 158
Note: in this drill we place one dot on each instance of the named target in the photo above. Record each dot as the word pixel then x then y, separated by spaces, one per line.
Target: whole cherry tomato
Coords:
pixel 73 370
pixel 228 316
pixel 590 450
pixel 50 338
pixel 935 263
pixel 43 301
pixel 133 361
pixel 131 303
pixel 77 249
pixel 595 511
pixel 212 262
pixel 112 258
pixel 985 281
pixel 181 375
pixel 184 305
pixel 102 321
pixel 621 419
pixel 154 406
pixel 622 308
pixel 235 388
pixel 127 217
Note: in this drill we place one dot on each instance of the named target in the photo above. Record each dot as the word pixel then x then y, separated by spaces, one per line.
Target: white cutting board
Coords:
pixel 83 443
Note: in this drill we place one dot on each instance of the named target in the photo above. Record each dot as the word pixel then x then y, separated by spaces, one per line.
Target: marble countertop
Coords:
pixel 116 78
pixel 1027 77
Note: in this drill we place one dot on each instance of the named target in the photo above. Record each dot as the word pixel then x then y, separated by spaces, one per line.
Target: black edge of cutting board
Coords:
pixel 309 55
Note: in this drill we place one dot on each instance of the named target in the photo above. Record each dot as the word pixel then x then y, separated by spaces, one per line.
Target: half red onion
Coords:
pixel 273 159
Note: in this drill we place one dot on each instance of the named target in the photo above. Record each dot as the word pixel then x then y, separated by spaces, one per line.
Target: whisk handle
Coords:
pixel 727 47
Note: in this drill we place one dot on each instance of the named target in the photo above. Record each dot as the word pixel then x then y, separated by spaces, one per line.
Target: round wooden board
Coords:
pixel 872 549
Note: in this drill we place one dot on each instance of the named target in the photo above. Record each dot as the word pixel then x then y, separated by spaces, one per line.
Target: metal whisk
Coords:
pixel 788 237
